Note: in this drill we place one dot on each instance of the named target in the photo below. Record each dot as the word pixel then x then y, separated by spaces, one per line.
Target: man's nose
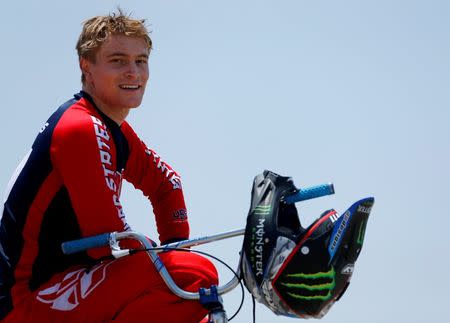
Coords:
pixel 131 71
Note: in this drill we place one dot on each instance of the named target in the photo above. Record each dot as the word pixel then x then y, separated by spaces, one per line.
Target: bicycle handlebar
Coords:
pixel 310 193
pixel 110 239
pixel 75 246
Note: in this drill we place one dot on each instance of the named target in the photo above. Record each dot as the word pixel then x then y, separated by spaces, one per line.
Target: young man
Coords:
pixel 68 187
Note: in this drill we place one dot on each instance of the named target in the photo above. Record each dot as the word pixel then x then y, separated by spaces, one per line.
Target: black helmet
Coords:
pixel 294 271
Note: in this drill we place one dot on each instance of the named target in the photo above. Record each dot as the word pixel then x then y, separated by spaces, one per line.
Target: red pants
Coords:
pixel 124 290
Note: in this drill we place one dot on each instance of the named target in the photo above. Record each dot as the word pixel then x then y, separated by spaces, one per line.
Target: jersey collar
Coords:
pixel 110 123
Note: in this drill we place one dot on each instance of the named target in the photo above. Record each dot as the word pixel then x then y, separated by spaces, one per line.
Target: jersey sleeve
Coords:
pixel 83 154
pixel 161 184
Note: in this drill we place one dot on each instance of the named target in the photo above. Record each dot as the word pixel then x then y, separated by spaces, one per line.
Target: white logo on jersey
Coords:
pixel 75 286
pixel 44 127
pixel 174 179
pixel 113 178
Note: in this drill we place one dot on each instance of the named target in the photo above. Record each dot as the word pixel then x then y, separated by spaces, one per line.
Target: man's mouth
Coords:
pixel 130 87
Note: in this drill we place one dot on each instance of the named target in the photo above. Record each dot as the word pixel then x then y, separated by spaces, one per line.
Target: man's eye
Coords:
pixel 141 61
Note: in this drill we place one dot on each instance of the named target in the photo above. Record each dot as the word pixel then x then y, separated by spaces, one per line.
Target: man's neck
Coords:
pixel 116 114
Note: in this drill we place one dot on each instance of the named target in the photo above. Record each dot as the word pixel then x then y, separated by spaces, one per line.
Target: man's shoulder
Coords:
pixel 75 118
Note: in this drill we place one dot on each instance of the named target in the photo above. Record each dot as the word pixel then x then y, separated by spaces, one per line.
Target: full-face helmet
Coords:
pixel 295 271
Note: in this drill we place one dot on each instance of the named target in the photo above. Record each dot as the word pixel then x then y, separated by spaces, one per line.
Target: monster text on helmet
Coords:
pixel 259 247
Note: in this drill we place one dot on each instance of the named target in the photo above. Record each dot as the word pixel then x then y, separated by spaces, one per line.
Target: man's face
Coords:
pixel 119 75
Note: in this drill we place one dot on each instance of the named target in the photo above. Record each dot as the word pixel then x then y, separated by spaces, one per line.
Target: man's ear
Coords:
pixel 85 66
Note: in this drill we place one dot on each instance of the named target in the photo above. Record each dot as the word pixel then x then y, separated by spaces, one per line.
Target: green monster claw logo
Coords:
pixel 262 210
pixel 361 233
pixel 311 286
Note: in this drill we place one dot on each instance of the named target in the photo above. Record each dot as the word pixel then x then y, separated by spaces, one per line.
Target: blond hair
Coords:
pixel 97 29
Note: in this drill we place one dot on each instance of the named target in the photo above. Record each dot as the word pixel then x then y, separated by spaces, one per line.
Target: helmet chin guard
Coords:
pixel 294 271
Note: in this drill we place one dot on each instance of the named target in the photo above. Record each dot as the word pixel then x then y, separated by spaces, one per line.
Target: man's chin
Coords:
pixel 133 104
pixel 136 106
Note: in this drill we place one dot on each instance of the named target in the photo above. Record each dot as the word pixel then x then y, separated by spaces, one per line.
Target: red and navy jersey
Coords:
pixel 68 187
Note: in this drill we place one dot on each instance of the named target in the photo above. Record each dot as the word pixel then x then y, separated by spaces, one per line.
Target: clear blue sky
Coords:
pixel 352 92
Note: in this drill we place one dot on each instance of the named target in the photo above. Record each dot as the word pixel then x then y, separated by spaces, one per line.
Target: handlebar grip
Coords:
pixel 310 193
pixel 74 246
